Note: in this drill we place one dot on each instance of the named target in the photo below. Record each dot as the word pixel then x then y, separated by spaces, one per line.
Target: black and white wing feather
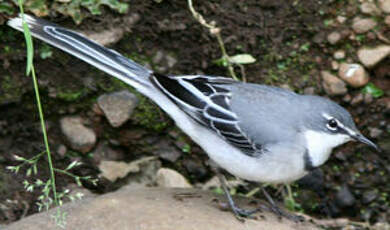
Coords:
pixel 206 100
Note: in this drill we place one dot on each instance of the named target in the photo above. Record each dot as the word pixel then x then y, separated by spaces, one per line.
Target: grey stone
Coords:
pixel 80 137
pixel 354 74
pixel 118 106
pixel 362 25
pixel 169 178
pixel 155 209
pixel 369 196
pixel 344 197
pixel 369 57
pixel 167 152
pixel 332 84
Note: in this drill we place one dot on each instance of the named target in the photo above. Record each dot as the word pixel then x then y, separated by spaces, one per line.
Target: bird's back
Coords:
pixel 267 114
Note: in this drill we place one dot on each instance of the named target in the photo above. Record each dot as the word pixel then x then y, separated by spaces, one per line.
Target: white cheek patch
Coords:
pixel 320 145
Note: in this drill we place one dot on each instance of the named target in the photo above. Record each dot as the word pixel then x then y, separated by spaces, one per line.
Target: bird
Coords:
pixel 256 132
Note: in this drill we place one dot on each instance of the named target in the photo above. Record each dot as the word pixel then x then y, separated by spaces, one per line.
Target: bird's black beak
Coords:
pixel 365 140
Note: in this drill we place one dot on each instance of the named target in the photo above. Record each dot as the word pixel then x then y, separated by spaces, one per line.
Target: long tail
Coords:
pixel 76 44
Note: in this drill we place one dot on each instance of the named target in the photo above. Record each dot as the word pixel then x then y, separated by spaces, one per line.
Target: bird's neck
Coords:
pixel 320 145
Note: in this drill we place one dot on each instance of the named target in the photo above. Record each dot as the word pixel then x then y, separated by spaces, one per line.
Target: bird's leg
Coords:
pixel 278 211
pixel 238 212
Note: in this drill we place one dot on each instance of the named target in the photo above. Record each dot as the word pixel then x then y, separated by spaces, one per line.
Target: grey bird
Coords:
pixel 256 132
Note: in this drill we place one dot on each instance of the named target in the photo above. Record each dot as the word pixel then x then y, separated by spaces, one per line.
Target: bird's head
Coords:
pixel 328 125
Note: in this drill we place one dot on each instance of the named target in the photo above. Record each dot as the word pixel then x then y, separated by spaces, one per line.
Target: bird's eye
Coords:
pixel 332 124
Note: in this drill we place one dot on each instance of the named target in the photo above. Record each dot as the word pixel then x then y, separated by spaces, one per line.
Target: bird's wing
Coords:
pixel 206 100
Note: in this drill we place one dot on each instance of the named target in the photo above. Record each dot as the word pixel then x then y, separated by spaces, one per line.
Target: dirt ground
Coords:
pixel 268 30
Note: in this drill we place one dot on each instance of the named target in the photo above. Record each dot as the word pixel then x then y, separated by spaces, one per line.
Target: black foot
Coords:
pixel 238 212
pixel 283 214
pixel 279 212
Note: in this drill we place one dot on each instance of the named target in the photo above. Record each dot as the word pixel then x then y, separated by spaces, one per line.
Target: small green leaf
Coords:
pixel 370 88
pixel 45 52
pixel 242 59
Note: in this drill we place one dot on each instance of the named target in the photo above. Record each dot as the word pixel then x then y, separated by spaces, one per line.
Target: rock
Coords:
pixel 387 20
pixel 362 25
pixel 80 138
pixel 381 226
pixel 61 150
pixel 341 19
pixel 375 132
pixel 368 98
pixel 155 209
pixel 103 151
pixel 114 33
pixel 335 65
pixel 344 197
pixel 339 54
pixel 369 57
pixel 334 37
pixel 171 61
pixel 369 8
pixel 113 170
pixel 169 178
pixel 369 196
pixel 167 151
pixel 354 74
pixel 309 91
pixel 358 99
pixel 332 84
pixel 384 5
pixel 195 168
pixel 118 106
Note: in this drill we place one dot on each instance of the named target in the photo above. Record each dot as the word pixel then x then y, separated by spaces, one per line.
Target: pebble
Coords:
pixel 347 98
pixel 369 196
pixel 344 197
pixel 61 150
pixel 169 178
pixel 309 91
pixel 358 99
pixel 80 138
pixel 362 25
pixel 335 65
pixel 118 106
pixel 334 37
pixel 387 20
pixel 369 8
pixel 381 226
pixel 375 132
pixel 113 170
pixel 341 19
pixel 167 151
pixel 195 168
pixel 368 98
pixel 339 54
pixel 354 74
pixel 384 5
pixel 369 57
pixel 332 84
